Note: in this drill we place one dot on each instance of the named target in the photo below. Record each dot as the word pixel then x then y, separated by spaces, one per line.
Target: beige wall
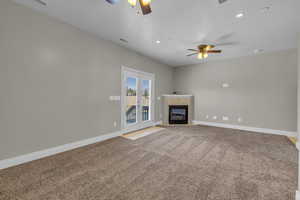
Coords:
pixel 263 90
pixel 55 82
pixel 298 115
pixel 299 95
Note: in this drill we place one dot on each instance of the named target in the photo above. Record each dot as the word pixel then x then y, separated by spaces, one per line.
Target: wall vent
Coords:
pixel 123 40
pixel 42 2
pixel 222 1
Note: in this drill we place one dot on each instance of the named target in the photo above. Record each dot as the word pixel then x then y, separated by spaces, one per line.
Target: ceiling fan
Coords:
pixel 203 51
pixel 145 5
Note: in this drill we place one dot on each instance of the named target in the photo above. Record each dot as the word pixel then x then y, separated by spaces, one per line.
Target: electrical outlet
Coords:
pixel 207 117
pixel 240 119
pixel 115 124
pixel 215 117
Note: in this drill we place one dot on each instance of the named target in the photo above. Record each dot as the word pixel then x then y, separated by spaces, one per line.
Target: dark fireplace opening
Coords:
pixel 178 114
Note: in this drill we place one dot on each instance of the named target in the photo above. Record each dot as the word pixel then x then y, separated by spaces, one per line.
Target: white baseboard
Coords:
pixel 247 128
pixel 10 162
pixel 55 150
pixel 158 123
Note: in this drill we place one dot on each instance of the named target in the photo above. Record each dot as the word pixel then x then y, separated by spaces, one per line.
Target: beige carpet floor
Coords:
pixel 178 163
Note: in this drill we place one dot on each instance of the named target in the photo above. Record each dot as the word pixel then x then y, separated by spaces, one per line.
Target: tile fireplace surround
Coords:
pixel 172 100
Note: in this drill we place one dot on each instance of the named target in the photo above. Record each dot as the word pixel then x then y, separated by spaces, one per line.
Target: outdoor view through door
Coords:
pixel 132 100
pixel 145 100
pixel 137 98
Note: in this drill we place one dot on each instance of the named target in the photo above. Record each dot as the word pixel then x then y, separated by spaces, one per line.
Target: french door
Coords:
pixel 137 99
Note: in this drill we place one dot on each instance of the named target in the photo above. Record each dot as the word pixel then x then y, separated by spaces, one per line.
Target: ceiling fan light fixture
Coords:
pixel 205 55
pixel 209 47
pixel 145 2
pixel 132 2
pixel 145 6
pixel 203 51
pixel 200 56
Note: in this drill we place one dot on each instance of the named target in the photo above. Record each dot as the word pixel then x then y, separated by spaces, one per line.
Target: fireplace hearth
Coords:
pixel 178 114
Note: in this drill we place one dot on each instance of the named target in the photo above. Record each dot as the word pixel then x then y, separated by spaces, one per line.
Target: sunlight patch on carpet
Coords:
pixel 142 133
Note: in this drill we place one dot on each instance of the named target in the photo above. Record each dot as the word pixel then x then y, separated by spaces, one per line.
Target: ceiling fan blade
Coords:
pixel 192 54
pixel 145 5
pixel 227 44
pixel 214 51
pixel 225 37
pixel 112 1
pixel 192 50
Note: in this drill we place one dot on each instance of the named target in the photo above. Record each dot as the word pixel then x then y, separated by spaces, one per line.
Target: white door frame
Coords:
pixel 141 74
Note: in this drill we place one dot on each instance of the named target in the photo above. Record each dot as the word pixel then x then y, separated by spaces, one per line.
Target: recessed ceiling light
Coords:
pixel 157 41
pixel 239 15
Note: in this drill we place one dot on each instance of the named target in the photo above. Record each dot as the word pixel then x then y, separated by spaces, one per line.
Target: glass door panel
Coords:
pixel 137 99
pixel 131 100
pixel 146 100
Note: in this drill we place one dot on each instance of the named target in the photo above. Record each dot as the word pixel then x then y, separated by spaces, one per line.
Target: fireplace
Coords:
pixel 178 114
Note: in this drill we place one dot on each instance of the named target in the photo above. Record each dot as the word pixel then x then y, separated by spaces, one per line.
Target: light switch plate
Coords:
pixel 115 98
